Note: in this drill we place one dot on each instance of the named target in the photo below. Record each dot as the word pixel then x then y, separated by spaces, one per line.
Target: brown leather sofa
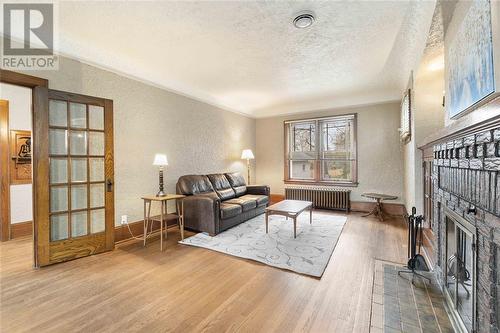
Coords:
pixel 217 202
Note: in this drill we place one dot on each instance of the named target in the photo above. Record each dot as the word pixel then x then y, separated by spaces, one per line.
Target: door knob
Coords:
pixel 109 185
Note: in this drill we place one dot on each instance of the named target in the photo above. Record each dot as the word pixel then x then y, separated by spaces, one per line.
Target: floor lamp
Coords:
pixel 247 154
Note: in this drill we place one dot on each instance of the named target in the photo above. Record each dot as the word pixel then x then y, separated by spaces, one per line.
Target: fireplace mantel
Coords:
pixel 483 118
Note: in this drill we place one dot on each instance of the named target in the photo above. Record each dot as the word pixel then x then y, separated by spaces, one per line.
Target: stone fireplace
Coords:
pixel 464 245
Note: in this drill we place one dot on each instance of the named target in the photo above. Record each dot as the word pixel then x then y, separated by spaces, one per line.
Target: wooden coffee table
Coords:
pixel 289 208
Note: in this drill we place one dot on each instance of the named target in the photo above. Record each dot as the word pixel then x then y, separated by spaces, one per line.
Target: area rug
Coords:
pixel 308 254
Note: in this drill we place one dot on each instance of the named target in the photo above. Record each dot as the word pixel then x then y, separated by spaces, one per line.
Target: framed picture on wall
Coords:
pixel 470 59
pixel 20 152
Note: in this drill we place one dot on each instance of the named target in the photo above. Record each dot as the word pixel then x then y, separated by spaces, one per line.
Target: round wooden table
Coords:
pixel 378 209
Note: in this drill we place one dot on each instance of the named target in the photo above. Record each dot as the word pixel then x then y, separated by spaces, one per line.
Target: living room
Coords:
pixel 335 164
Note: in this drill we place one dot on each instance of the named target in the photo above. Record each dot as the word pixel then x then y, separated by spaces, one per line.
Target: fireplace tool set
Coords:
pixel 416 261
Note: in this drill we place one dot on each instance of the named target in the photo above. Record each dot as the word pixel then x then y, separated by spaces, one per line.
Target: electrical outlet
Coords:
pixel 124 219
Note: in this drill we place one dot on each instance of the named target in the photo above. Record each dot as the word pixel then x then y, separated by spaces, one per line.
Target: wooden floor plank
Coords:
pixel 188 289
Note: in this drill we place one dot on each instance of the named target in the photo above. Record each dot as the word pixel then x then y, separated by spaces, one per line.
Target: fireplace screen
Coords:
pixel 460 270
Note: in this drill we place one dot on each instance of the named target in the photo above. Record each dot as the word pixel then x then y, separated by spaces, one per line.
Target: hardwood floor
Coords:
pixel 188 289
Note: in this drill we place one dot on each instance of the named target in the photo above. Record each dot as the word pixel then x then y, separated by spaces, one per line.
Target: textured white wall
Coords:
pixel 379 155
pixel 427 117
pixel 19 106
pixel 409 151
pixel 21 203
pixel 19 119
pixel 198 138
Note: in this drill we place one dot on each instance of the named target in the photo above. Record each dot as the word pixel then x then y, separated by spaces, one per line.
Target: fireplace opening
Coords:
pixel 460 270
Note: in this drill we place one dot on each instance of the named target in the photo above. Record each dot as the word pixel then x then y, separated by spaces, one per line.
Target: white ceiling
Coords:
pixel 247 56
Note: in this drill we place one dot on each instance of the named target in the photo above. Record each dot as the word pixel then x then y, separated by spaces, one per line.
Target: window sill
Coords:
pixel 321 183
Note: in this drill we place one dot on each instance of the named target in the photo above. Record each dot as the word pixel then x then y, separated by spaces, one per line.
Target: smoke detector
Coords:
pixel 303 20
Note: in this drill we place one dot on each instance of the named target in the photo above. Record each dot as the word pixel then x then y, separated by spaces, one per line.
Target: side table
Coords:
pixel 148 200
pixel 378 209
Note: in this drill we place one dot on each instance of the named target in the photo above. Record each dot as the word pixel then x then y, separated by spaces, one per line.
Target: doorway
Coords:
pixel 16 173
pixel 72 172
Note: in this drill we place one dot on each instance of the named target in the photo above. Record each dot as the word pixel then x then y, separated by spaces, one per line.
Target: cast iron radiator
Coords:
pixel 326 198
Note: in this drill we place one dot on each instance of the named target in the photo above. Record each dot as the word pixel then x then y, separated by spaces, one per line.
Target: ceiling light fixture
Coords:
pixel 303 20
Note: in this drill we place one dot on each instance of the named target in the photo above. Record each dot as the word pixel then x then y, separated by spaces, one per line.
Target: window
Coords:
pixel 321 150
pixel 405 129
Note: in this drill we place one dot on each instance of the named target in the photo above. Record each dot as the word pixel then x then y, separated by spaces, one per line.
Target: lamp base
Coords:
pixel 160 192
pixel 248 171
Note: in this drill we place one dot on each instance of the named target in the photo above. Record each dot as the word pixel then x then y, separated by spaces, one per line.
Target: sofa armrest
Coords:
pixel 258 189
pixel 201 213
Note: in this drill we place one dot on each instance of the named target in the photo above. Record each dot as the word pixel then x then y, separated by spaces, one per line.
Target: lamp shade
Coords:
pixel 160 159
pixel 247 154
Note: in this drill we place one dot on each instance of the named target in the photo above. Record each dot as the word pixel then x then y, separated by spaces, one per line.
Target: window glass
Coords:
pixel 303 141
pixel 406 117
pixel 302 169
pixel 322 150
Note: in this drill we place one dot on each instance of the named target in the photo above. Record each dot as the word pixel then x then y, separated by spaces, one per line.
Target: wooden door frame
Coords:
pixel 39 87
pixel 4 171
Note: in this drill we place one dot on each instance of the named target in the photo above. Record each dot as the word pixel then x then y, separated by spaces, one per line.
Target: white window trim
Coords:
pixel 317 161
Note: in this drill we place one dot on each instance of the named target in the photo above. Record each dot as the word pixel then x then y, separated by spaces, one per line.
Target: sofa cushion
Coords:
pixel 245 203
pixel 193 184
pixel 228 210
pixel 221 186
pixel 262 200
pixel 237 183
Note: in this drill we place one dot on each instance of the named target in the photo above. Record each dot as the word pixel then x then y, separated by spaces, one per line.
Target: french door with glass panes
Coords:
pixel 79 219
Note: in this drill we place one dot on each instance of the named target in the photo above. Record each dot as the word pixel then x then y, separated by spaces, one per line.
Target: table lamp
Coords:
pixel 160 161
pixel 247 154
